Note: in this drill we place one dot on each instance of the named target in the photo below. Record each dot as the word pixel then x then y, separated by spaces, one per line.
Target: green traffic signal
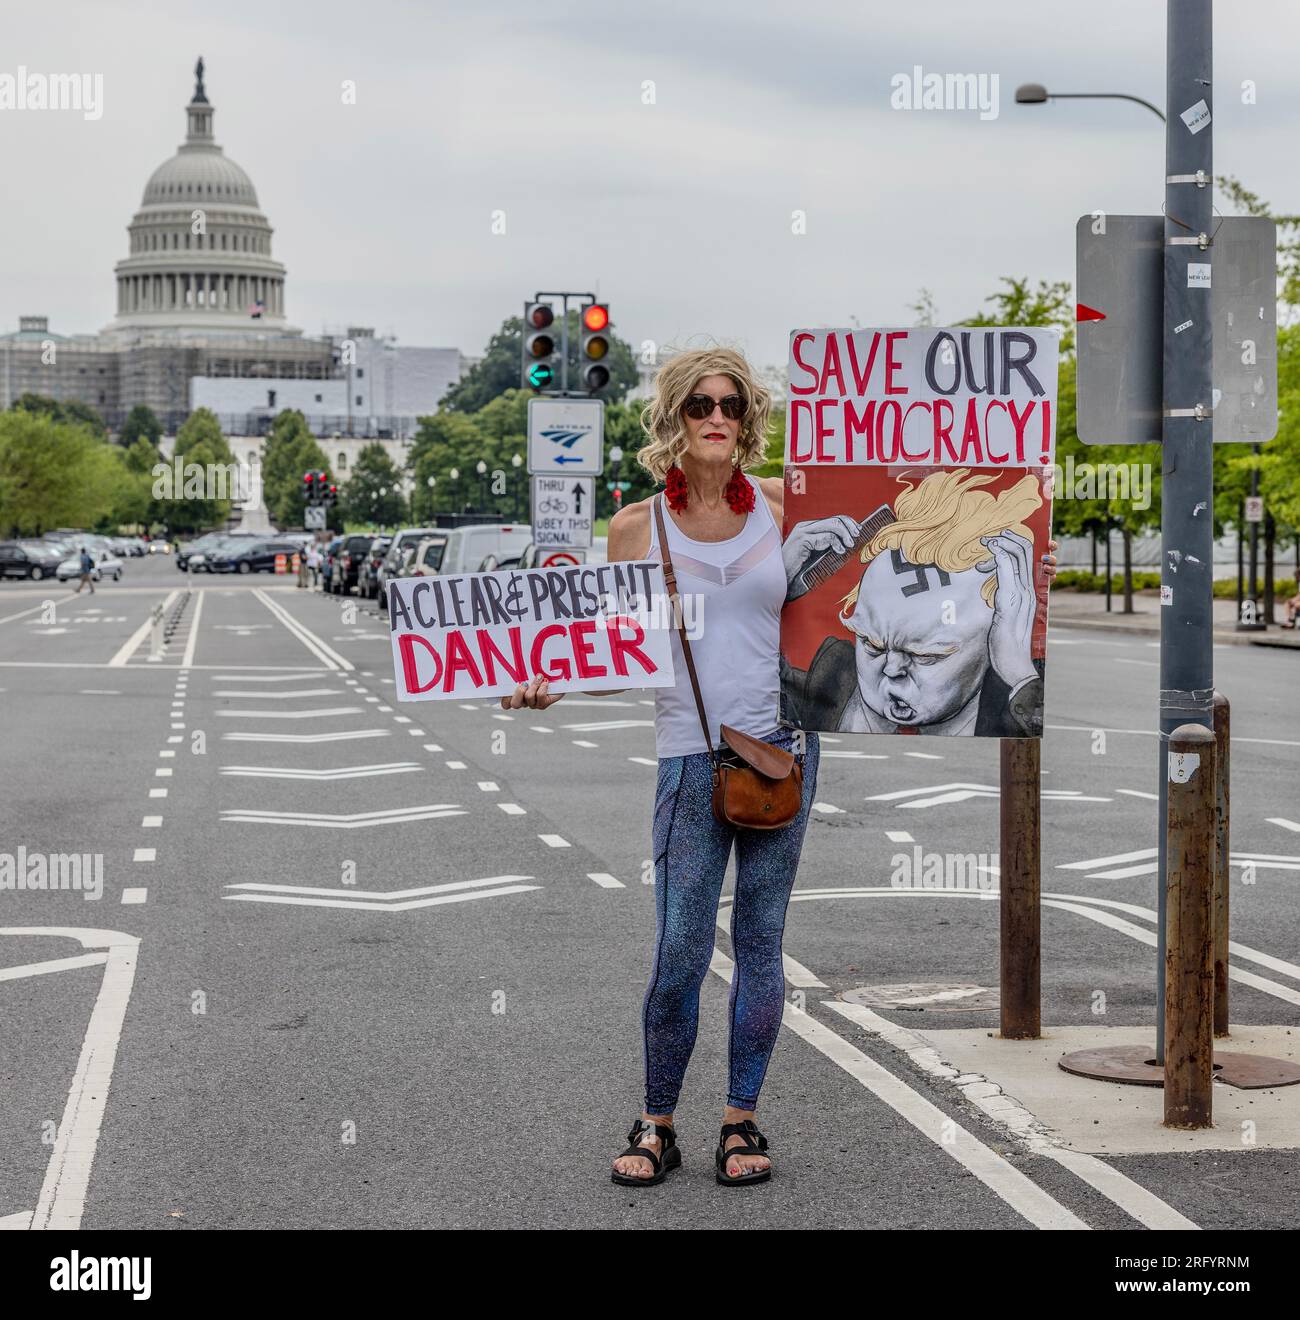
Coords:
pixel 540 375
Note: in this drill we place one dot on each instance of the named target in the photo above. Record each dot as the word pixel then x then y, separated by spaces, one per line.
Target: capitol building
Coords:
pixel 201 321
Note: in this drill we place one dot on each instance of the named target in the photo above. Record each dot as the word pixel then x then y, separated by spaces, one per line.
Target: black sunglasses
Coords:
pixel 699 406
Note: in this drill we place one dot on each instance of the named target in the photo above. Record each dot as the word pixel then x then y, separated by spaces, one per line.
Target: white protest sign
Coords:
pixel 592 627
pixel 562 511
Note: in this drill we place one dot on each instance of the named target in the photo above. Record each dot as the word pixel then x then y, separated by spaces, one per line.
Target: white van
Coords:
pixel 473 549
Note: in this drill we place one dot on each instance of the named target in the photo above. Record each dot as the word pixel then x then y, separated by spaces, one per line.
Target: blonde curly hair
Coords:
pixel 940 521
pixel 675 381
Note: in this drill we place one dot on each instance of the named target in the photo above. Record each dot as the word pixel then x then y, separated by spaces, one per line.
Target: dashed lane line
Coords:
pixel 318 647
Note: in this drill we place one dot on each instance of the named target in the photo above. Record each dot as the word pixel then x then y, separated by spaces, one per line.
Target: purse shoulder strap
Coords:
pixel 670 579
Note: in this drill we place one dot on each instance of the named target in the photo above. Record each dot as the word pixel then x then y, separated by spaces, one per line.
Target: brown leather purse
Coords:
pixel 756 786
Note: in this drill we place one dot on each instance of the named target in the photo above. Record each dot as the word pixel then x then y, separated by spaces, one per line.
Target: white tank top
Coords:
pixel 732 595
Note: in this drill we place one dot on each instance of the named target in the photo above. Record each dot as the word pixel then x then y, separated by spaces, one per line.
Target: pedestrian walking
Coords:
pixel 313 562
pixel 87 571
pixel 718 531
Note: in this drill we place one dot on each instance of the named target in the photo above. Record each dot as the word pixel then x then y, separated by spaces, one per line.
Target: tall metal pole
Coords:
pixel 1187 505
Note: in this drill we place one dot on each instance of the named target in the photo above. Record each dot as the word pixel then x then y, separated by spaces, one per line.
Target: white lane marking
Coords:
pixel 942 794
pixel 924 756
pixel 605 880
pixel 22 614
pixel 157 792
pixel 296 677
pixel 163 772
pixel 503 717
pixel 1123 660
pixel 598 726
pixel 570 701
pixel 795 972
pixel 541 728
pixel 135 894
pixel 387 710
pixel 398 719
pixel 512 808
pixel 455 765
pixel 314 644
pixel 151 822
pixel 53 965
pixel 1024 1196
pixel 63 1192
pixel 554 841
pixel 355 821
pixel 323 713
pixel 1138 793
pixel 856 756
pixel 99 692
pixel 345 736
pixel 432 747
pixel 192 641
pixel 341 772
pixel 145 855
pixel 1131 1197
pixel 1155 733
pixel 642 760
pixel 1139 855
pixel 582 742
pixel 488 785
pixel 899 836
pixel 827 809
pixel 278 695
pixel 167 755
pixel 1283 822
pixel 175 738
pixel 129 647
pixel 179 725
pixel 458 891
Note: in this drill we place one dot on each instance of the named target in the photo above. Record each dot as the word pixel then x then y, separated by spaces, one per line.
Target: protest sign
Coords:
pixel 591 627
pixel 917 511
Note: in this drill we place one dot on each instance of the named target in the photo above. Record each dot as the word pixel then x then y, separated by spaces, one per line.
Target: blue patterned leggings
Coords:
pixel 690 854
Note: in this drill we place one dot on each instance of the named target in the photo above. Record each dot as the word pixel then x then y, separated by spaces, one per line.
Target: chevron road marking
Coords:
pixel 367 900
pixel 342 772
pixel 290 714
pixel 346 735
pixel 356 821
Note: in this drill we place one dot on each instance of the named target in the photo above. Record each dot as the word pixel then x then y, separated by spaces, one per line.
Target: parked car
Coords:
pixel 200 560
pixel 368 584
pixel 30 559
pixel 469 548
pixel 327 562
pixel 251 557
pixel 106 565
pixel 405 540
pixel 347 563
pixel 160 547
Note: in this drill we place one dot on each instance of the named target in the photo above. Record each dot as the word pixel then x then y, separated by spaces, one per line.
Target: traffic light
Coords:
pixel 317 489
pixel 539 347
pixel 592 366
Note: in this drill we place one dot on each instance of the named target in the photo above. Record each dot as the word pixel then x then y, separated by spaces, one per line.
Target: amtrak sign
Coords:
pixel 566 436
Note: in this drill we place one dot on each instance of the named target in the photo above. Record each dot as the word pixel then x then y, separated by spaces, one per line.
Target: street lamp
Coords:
pixel 481 468
pixel 517 462
pixel 433 503
pixel 1036 94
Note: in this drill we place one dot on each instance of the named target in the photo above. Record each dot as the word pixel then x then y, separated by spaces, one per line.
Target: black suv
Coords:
pixel 348 560
pixel 257 557
pixel 29 559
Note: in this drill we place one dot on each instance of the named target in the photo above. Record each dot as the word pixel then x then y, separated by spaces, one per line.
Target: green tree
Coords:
pixel 200 445
pixel 499 368
pixel 373 494
pixel 68 410
pixel 288 451
pixel 52 474
pixel 141 422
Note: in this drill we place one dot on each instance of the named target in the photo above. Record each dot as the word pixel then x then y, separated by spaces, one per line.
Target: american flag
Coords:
pixel 256 310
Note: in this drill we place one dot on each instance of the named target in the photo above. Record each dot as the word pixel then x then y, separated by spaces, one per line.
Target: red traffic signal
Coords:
pixel 595 317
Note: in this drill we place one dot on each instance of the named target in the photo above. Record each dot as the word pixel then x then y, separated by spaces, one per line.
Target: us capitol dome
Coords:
pixel 200 247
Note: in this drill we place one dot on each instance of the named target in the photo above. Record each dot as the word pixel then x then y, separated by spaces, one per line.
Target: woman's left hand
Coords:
pixel 1049 562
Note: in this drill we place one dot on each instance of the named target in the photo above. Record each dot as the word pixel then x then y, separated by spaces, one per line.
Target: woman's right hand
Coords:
pixel 535 695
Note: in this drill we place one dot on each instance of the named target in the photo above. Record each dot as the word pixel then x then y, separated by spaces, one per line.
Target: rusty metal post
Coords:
pixel 1020 887
pixel 1222 858
pixel 1189 928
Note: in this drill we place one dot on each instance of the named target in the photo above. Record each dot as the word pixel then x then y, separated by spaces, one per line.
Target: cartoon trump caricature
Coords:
pixel 940 623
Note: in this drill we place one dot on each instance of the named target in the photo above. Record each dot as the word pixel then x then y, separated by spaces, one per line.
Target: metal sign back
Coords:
pixel 1120 271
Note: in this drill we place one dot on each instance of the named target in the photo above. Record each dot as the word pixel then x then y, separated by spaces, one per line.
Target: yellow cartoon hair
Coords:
pixel 940 521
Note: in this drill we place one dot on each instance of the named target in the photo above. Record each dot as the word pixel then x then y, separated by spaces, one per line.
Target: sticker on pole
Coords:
pixel 918 507
pixel 586 628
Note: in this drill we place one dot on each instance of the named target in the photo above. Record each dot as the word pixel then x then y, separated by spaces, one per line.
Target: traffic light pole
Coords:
pixel 1187 503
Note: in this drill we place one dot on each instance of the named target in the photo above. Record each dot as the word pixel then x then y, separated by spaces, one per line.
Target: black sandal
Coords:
pixel 755 1144
pixel 663 1164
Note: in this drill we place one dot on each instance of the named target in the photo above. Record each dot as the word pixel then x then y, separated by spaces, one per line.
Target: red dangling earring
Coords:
pixel 739 492
pixel 675 488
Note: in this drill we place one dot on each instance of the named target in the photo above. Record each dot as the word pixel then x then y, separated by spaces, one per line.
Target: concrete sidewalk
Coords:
pixel 1083 609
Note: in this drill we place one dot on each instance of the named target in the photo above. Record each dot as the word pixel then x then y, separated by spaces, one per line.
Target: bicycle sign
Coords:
pixel 563 509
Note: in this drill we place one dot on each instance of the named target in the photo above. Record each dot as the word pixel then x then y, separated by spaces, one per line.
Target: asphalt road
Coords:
pixel 358 964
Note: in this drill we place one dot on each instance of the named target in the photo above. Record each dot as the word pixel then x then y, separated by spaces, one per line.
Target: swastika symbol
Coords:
pixel 921 583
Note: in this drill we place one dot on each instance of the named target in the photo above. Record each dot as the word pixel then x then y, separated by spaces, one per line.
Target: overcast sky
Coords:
pixel 678 212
